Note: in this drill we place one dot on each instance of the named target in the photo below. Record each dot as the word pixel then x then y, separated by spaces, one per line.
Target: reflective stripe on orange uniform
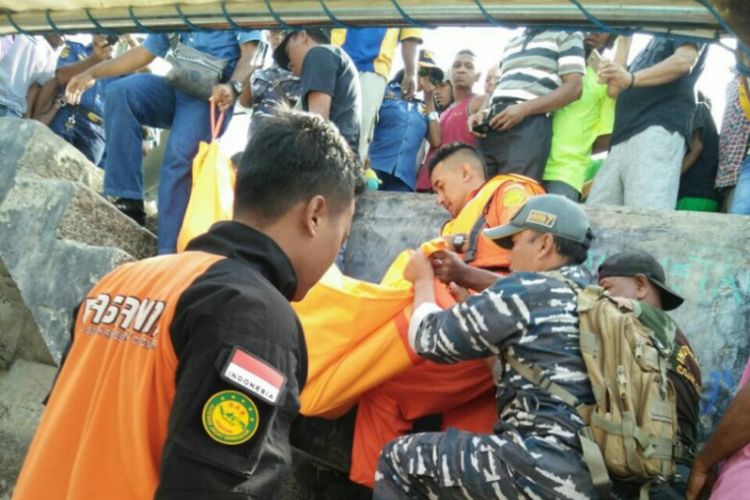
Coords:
pixel 102 433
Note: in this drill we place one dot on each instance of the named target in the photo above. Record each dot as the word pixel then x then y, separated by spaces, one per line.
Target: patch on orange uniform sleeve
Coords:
pixel 514 196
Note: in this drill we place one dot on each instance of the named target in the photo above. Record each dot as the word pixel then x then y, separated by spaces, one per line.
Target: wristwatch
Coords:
pixel 433 116
pixel 236 86
pixel 458 242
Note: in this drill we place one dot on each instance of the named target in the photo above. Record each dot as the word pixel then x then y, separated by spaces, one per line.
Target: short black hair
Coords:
pixel 320 36
pixel 466 52
pixel 449 150
pixel 575 252
pixel 291 158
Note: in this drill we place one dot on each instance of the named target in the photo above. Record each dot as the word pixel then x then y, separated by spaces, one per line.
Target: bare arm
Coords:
pixel 409 55
pixel 102 52
pixel 434 134
pixel 31 99
pixel 45 108
pixel 223 93
pixel 696 148
pixel 670 69
pixel 622 51
pixel 320 103
pixel 570 90
pixel 731 434
pixel 246 97
pixel 129 62
pixel 601 144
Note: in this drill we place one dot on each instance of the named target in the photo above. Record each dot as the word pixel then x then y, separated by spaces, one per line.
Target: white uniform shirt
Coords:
pixel 30 59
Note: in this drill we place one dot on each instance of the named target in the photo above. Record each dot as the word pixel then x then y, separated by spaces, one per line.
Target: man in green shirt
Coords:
pixel 581 128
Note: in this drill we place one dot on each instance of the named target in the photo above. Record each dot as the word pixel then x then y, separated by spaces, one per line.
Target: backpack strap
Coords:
pixel 594 460
pixel 592 454
pixel 174 40
pixel 534 374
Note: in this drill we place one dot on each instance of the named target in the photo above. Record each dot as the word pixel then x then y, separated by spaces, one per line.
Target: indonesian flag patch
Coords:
pixel 252 375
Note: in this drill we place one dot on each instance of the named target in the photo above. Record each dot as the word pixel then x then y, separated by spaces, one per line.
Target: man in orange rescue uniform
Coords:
pixel 184 373
pixel 459 395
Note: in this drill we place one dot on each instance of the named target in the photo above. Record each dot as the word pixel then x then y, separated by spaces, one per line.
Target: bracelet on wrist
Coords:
pixel 632 81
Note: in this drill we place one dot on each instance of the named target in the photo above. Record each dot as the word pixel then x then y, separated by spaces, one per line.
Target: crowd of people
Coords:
pixel 218 358
pixel 603 130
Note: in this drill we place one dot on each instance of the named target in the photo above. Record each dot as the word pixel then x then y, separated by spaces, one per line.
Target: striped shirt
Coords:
pixel 534 62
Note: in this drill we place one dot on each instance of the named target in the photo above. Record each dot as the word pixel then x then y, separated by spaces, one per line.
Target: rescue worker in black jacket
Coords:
pixel 185 370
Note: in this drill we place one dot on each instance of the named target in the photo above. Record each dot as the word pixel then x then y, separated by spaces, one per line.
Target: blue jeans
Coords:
pixel 145 99
pixel 741 200
pixel 85 136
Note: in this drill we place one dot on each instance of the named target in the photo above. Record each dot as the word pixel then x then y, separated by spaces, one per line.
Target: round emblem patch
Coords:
pixel 230 417
pixel 514 197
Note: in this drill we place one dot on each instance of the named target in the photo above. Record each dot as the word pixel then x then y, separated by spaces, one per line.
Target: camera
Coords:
pixel 482 128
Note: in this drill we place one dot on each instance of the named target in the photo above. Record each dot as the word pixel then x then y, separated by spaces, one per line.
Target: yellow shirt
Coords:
pixel 372 49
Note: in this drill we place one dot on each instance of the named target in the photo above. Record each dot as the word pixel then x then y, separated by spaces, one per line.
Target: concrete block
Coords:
pixel 22 390
pixel 58 238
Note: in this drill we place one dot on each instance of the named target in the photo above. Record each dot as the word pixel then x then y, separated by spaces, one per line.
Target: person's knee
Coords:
pixel 119 93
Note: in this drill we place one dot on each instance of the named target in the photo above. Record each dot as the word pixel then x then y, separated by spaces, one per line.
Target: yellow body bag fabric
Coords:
pixel 356 332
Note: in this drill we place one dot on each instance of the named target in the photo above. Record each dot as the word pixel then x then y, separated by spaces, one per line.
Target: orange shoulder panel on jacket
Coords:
pixel 102 432
pixel 505 201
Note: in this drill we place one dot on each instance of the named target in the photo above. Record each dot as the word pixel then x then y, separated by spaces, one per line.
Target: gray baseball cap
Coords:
pixel 548 213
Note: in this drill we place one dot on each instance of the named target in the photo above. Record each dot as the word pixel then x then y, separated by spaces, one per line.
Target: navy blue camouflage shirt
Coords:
pixel 532 316
pixel 271 87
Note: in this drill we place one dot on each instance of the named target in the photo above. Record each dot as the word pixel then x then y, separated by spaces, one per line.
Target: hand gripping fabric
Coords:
pixel 212 194
pixel 631 431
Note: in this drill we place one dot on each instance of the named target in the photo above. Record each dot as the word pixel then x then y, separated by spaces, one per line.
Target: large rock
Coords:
pixel 58 238
pixel 23 388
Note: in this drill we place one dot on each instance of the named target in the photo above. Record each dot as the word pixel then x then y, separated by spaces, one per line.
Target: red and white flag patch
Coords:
pixel 253 375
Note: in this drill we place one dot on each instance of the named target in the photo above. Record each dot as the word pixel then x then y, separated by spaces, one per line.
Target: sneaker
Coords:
pixel 131 208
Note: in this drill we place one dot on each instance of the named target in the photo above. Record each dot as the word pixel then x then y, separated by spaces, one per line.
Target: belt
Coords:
pixel 500 103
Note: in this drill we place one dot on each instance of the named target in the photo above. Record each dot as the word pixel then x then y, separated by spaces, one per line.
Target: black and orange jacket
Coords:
pixel 182 380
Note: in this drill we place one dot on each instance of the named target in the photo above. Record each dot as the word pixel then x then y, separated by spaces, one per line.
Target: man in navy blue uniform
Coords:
pixel 531 317
pixel 82 125
pixel 145 99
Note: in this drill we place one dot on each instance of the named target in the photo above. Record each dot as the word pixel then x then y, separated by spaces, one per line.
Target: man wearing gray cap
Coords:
pixel 534 450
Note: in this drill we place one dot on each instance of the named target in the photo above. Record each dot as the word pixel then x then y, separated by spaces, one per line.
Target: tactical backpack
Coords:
pixel 631 431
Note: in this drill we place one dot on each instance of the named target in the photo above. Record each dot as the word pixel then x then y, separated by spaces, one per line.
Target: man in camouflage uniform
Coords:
pixel 268 88
pixel 534 451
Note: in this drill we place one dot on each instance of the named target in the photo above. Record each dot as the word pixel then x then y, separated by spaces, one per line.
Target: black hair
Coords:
pixel 465 52
pixel 321 36
pixel 291 158
pixel 449 150
pixel 575 252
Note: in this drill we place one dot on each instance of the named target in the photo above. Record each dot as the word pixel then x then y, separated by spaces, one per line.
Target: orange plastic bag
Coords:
pixel 212 194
